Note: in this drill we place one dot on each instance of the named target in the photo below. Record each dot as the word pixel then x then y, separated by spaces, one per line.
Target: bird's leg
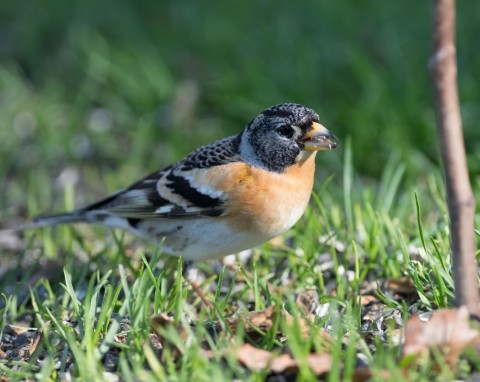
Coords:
pixel 188 268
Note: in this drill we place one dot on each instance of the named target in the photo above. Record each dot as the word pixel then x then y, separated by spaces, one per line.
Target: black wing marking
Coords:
pixel 141 196
pixel 142 199
pixel 181 186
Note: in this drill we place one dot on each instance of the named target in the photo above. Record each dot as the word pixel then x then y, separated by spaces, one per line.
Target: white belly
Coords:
pixel 197 239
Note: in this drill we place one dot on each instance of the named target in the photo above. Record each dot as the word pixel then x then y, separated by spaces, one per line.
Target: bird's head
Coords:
pixel 283 135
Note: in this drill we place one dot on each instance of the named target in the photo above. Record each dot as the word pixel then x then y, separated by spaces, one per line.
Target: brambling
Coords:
pixel 225 197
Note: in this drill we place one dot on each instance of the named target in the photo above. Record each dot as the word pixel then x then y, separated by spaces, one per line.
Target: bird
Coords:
pixel 227 196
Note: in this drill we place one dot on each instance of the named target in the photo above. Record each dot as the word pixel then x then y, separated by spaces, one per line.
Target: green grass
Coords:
pixel 204 69
pixel 108 278
pixel 90 103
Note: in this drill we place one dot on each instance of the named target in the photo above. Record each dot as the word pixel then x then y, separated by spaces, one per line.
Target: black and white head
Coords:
pixel 283 135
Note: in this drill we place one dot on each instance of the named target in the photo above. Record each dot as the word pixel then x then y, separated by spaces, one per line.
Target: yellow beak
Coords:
pixel 319 138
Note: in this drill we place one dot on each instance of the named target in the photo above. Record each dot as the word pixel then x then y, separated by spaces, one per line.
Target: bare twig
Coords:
pixel 202 296
pixel 461 202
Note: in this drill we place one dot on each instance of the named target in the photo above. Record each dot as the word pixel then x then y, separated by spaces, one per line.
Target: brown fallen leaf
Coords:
pixel 253 358
pixel 284 363
pixel 21 325
pixel 258 359
pixel 305 326
pixel 402 286
pixel 262 319
pixel 447 330
pixel 368 299
pixel 253 322
pixel 308 302
pixel 320 363
pixel 363 374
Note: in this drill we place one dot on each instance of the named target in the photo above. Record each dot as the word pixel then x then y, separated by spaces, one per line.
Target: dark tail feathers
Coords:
pixel 51 220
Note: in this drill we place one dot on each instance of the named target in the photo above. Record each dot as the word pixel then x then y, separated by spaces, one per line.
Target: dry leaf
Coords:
pixel 308 302
pixel 253 358
pixel 258 359
pixel 304 325
pixel 447 330
pixel 262 319
pixel 320 363
pixel 254 321
pixel 284 363
pixel 363 374
pixel 367 299
pixel 402 286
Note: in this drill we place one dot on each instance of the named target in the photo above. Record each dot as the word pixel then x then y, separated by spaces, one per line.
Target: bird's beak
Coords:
pixel 319 138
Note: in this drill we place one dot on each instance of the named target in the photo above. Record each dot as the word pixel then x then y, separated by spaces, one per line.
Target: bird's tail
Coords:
pixel 51 220
pixel 78 216
pixel 62 218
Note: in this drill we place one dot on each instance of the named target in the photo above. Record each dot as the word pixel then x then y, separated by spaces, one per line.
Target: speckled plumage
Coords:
pixel 226 196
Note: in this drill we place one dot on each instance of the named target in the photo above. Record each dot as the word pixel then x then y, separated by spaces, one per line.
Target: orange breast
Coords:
pixel 267 202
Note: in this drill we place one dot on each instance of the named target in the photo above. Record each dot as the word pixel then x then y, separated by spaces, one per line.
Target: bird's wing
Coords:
pixel 189 188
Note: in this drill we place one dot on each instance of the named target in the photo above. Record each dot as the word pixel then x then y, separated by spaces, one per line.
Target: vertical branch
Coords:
pixel 460 199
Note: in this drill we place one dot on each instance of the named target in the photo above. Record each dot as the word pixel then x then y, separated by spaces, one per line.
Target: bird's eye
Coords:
pixel 286 131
